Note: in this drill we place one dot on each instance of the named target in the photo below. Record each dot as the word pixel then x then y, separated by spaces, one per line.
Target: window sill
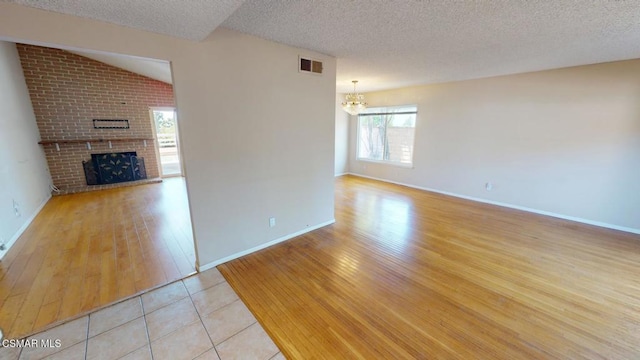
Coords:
pixel 390 163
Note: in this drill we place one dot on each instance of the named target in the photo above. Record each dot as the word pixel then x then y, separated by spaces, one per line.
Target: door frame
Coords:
pixel 157 144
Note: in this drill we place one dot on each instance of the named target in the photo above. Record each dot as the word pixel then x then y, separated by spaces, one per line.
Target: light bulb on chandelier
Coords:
pixel 354 103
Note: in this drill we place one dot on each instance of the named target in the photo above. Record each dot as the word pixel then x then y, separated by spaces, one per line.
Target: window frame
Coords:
pixel 388 110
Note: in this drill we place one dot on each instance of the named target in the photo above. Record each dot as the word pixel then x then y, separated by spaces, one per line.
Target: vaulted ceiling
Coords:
pixel 396 43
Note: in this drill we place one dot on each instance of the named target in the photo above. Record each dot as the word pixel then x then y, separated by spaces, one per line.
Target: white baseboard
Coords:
pixel 531 210
pixel 344 173
pixel 24 227
pixel 262 246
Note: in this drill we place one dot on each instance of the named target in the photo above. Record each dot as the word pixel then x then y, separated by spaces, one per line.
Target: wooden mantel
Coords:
pixel 75 141
pixel 89 141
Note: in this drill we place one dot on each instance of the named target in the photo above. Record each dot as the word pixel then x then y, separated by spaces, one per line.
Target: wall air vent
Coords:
pixel 307 65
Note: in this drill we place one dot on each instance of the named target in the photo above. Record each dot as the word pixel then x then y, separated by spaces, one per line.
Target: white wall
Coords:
pixel 564 141
pixel 23 168
pixel 341 165
pixel 257 136
pixel 263 147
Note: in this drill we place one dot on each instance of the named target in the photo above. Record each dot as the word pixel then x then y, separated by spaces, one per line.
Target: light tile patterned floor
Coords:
pixel 200 317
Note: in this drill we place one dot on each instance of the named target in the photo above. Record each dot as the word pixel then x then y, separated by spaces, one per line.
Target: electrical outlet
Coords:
pixel 16 208
pixel 272 222
pixel 488 186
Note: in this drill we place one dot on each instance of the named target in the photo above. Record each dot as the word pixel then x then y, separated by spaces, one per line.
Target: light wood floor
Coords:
pixel 410 274
pixel 84 251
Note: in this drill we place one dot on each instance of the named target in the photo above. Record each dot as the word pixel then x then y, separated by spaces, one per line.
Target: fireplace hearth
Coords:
pixel 111 168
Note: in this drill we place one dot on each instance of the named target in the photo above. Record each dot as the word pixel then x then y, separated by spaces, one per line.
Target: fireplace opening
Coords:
pixel 111 168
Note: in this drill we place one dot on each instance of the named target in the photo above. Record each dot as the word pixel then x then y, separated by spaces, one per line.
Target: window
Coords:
pixel 386 134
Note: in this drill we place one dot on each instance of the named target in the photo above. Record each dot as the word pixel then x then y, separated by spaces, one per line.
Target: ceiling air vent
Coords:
pixel 311 66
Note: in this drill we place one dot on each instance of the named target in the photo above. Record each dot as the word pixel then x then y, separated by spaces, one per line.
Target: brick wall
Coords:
pixel 68 91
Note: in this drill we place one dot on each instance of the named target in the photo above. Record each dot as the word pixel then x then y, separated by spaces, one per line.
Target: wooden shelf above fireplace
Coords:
pixel 77 141
pixel 89 141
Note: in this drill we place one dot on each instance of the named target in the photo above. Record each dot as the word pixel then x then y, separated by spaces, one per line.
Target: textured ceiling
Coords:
pixel 393 43
pixel 389 44
pixel 189 19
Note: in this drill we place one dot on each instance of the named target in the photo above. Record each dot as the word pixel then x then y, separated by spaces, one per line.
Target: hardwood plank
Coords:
pixel 90 294
pixel 108 283
pixel 405 273
pixel 85 251
pixel 124 269
pixel 48 314
pixel 9 312
pixel 71 298
pixel 30 308
pixel 163 229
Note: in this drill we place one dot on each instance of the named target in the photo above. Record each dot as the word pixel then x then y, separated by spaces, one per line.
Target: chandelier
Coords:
pixel 354 103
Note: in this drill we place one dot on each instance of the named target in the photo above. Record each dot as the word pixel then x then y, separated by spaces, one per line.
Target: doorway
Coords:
pixel 165 121
pixel 147 239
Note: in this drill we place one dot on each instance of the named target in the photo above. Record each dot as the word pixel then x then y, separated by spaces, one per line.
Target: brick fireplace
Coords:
pixel 114 168
pixel 69 92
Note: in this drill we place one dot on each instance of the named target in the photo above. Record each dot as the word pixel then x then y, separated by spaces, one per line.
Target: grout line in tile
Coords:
pixel 239 331
pixel 163 306
pixel 202 322
pixel 146 327
pixel 176 330
pixel 60 350
pixel 86 339
pixel 91 311
pixel 134 350
pixel 139 297
pixel 213 347
pixel 229 304
pixel 203 289
pixel 165 335
pixel 124 323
